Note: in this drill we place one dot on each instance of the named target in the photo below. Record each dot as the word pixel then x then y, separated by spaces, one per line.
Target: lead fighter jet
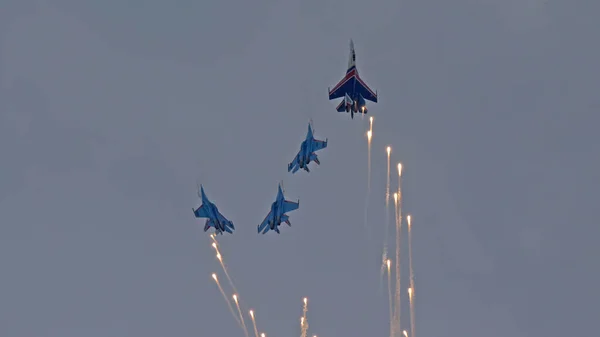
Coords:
pixel 309 146
pixel 215 218
pixel 354 90
pixel 277 213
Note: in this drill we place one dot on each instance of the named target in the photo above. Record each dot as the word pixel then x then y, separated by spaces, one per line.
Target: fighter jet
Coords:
pixel 354 90
pixel 277 213
pixel 307 152
pixel 215 218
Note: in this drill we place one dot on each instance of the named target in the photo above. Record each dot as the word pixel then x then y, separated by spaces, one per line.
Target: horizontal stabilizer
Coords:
pixel 315 158
pixel 286 219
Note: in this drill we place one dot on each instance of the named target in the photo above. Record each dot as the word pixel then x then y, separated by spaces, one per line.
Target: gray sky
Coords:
pixel 111 110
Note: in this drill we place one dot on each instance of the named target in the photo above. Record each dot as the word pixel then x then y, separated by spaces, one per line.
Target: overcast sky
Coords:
pixel 110 111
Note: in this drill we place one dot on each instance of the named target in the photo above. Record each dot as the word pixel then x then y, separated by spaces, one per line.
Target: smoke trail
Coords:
pixel 303 327
pixel 237 304
pixel 398 202
pixel 368 228
pixel 412 316
pixel 214 276
pixel 220 258
pixel 303 320
pixel 254 323
pixel 241 321
pixel 396 301
pixel 390 299
pixel 411 290
pixel 369 137
pixel 387 217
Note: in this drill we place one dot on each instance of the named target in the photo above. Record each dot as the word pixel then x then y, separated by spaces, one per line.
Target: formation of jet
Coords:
pixel 355 93
pixel 214 217
pixel 277 213
pixel 307 152
pixel 353 89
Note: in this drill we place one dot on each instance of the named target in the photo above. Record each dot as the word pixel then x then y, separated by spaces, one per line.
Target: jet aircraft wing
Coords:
pixel 264 226
pixel 289 206
pixel 351 83
pixel 319 144
pixel 295 163
pixel 344 86
pixel 201 212
pixel 362 88
pixel 222 218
